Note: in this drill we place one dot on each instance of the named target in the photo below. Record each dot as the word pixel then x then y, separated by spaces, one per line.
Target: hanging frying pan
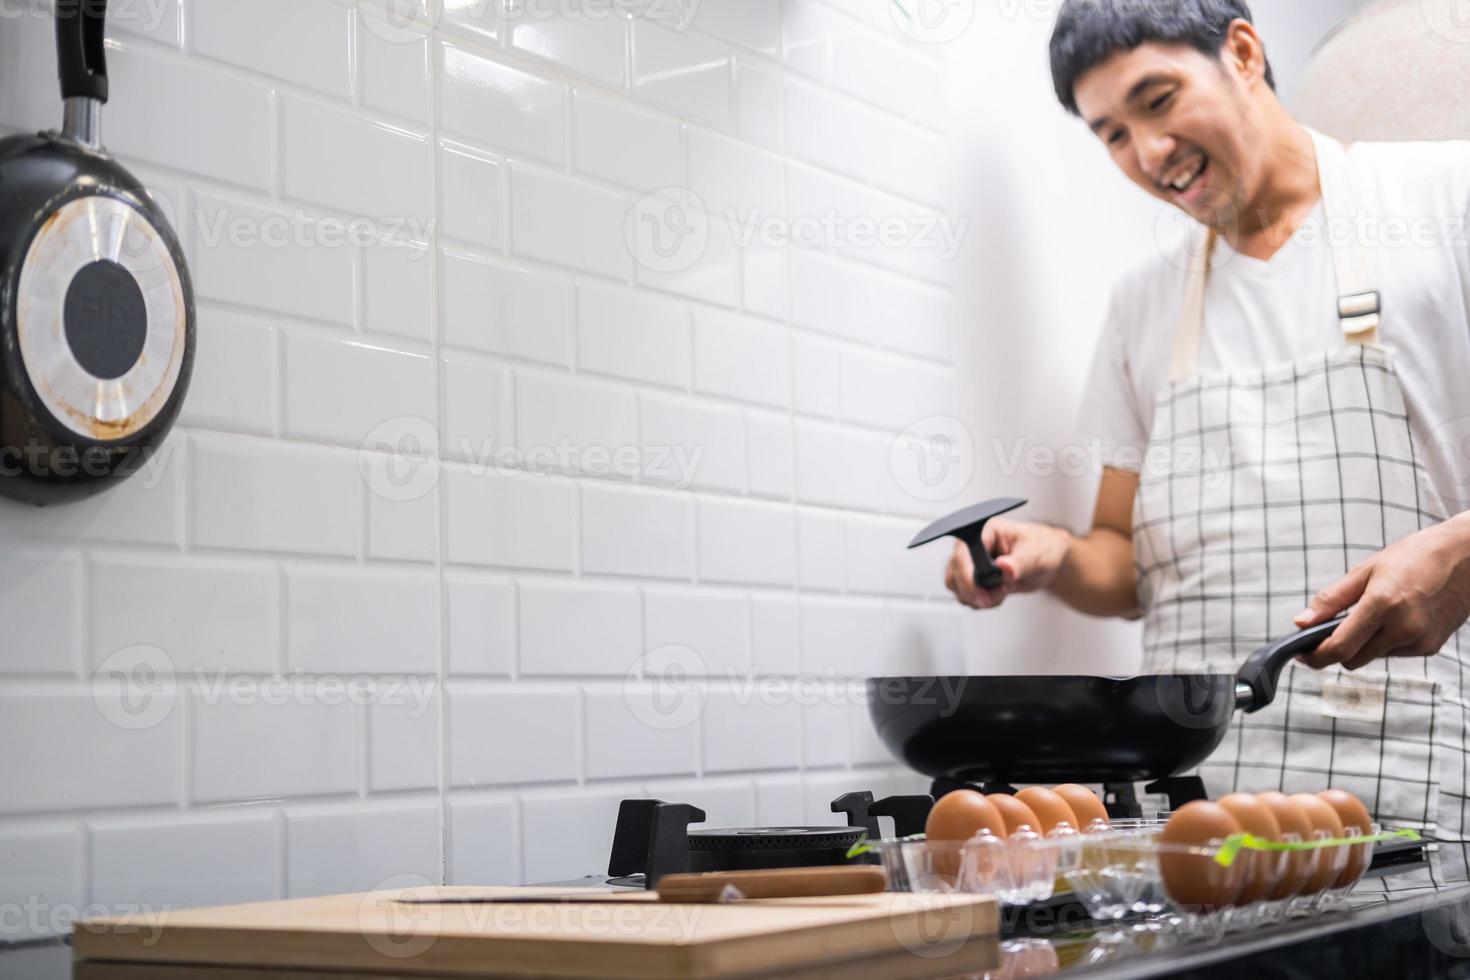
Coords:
pixel 97 339
pixel 1047 729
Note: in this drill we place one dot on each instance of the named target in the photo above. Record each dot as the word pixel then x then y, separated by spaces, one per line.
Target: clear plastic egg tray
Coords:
pixel 1121 870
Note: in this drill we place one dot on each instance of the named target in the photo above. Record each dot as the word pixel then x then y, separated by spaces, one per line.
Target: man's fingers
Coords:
pixel 1335 598
pixel 1349 639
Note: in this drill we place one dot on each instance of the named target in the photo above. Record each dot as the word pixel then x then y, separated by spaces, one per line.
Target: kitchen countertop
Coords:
pixel 1423 935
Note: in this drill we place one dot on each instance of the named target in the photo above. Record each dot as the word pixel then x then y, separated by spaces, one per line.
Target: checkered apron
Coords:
pixel 1259 488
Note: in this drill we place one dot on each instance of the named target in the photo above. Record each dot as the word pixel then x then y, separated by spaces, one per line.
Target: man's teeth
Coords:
pixel 1188 177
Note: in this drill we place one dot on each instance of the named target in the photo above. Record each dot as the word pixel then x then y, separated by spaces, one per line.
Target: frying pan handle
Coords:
pixel 1255 685
pixel 81 60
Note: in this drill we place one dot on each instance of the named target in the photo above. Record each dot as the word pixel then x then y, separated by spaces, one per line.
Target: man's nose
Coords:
pixel 1154 152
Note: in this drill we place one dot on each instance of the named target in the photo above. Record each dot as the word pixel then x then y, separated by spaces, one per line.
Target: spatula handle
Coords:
pixel 777 883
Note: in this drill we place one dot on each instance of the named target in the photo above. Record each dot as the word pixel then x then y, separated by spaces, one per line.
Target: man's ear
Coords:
pixel 1245 52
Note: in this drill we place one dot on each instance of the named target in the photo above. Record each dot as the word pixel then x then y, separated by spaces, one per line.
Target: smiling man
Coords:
pixel 1282 401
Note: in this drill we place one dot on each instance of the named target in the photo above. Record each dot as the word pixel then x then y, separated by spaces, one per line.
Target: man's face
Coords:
pixel 1179 123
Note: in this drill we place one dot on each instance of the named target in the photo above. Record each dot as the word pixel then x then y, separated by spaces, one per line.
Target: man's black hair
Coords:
pixel 1089 32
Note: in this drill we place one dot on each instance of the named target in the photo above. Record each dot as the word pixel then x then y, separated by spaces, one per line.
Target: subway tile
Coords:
pixel 188 116
pixel 746 730
pixel 771 442
pixel 477 20
pixel 403 739
pixel 882 391
pixel 831 296
pixel 364 847
pixel 565 833
pixel 510 520
pixel 844 637
pixel 832 132
pixel 483 845
pixel 821 549
pixel 727 801
pixel 878 560
pixel 340 390
pixel 316 50
pixel 470 189
pixel 713 625
pixel 578 629
pixel 205 615
pixel 184 863
pixel 926 327
pixel 593 421
pixel 741 358
pixel 682 72
pixel 39 868
pixel 568 222
pixel 747 542
pixel 633 531
pixel 479 419
pixel 488 102
pixel 40 604
pixel 632 335
pixel 506 310
pixel 840 467
pixel 339 158
pixel 349 621
pixel 262 743
pixel 705 443
pixel 817 373
pixel 779 801
pixel 634 731
pixel 481 625
pixel 735 179
pixel 698 258
pixel 233 386
pixel 263 497
pixel 512 736
pixel 281 260
pixel 398 289
pixel 758 102
pixel 824 731
pixel 394 60
pixel 624 144
pixel 755 24
pixel 765 286
pixel 159 21
pixel 773 634
pixel 116 747
pixel 402 505
pixel 585 37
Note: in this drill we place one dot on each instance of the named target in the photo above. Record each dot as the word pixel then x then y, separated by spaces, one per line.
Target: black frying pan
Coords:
pixel 1047 729
pixel 96 308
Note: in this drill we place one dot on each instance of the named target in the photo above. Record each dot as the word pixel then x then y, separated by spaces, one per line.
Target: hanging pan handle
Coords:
pixel 1255 685
pixel 81 59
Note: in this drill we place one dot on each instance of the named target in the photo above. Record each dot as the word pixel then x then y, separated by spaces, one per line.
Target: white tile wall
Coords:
pixel 420 233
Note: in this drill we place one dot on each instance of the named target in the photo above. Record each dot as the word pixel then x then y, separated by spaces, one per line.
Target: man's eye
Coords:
pixel 1161 101
pixel 1116 138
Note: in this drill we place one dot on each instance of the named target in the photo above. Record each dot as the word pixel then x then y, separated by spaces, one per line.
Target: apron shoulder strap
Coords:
pixel 1359 307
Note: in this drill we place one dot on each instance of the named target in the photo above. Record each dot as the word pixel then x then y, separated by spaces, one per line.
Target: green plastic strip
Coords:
pixel 1235 843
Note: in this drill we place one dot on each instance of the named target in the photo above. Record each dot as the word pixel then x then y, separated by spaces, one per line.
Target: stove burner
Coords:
pixel 750 848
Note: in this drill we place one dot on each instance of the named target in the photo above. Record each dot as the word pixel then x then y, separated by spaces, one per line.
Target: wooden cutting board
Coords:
pixel 633 937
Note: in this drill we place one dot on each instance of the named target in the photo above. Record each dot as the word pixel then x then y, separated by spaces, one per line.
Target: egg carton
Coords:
pixel 1123 871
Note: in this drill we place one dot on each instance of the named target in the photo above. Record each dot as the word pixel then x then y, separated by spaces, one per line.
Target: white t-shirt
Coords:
pixel 1416 222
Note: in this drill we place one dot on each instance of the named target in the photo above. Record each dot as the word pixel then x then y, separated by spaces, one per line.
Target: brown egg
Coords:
pixel 1049 808
pixel 1195 880
pixel 1293 821
pixel 1324 818
pixel 1256 818
pixel 1084 803
pixel 960 815
pixel 1356 822
pixel 1015 813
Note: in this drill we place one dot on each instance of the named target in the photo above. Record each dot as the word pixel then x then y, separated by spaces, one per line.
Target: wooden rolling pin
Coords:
pixel 775 883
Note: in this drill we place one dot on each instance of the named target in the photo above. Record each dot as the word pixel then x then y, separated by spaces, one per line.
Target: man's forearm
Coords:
pixel 1096 575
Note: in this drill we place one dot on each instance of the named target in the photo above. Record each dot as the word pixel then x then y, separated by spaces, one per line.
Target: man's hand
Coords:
pixel 1408 600
pixel 1027 555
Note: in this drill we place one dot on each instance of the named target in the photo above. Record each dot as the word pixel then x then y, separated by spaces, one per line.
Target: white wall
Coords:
pixel 518 602
pixel 1056 225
